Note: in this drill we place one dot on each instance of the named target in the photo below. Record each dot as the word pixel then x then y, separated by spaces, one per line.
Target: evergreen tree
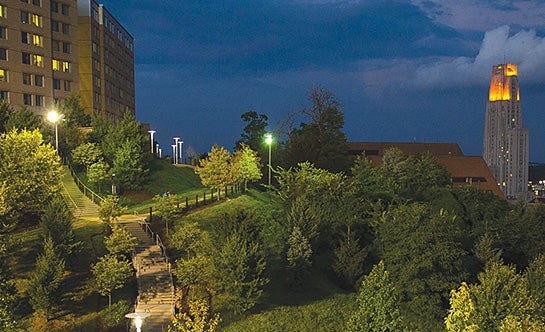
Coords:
pixel 8 299
pixel 57 224
pixel 44 285
pixel 6 111
pixel 349 257
pixel 24 119
pixel 378 305
pixel 299 256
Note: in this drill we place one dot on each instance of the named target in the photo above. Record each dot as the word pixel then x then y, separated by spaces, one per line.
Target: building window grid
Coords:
pixel 3 53
pixel 3 11
pixel 3 33
pixel 3 75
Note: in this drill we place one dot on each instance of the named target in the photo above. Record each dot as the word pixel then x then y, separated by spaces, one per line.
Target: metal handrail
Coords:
pixel 96 198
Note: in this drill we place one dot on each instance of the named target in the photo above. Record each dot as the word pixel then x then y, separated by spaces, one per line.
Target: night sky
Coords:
pixel 402 70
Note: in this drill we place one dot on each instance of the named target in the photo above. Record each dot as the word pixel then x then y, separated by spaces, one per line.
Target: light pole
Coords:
pixel 151 132
pixel 174 153
pixel 160 151
pixel 157 149
pixel 181 155
pixel 176 149
pixel 54 117
pixel 138 318
pixel 269 140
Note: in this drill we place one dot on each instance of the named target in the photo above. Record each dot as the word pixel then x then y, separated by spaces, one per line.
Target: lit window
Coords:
pixel 4 95
pixel 37 20
pixel 66 66
pixel 3 75
pixel 3 10
pixel 27 99
pixel 3 33
pixel 56 84
pixel 39 100
pixel 38 40
pixel 26 78
pixel 37 60
pixel 3 54
pixel 67 86
pixel 56 64
pixel 66 48
pixel 38 80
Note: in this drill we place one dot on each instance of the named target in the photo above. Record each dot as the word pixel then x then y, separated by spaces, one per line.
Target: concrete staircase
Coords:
pixel 155 287
pixel 79 204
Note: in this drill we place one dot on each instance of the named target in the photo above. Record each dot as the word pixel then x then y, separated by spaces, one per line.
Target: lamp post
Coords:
pixel 138 319
pixel 54 117
pixel 176 149
pixel 174 153
pixel 181 155
pixel 151 132
pixel 269 140
pixel 160 151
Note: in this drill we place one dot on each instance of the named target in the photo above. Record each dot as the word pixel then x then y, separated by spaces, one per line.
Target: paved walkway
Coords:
pixel 79 204
pixel 155 286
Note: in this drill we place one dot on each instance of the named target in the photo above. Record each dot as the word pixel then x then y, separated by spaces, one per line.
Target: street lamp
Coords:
pixel 269 140
pixel 181 155
pixel 174 153
pixel 138 319
pixel 151 132
pixel 54 117
pixel 176 149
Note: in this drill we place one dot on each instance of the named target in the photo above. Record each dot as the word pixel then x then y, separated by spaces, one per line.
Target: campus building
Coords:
pixel 46 54
pixel 464 170
pixel 505 146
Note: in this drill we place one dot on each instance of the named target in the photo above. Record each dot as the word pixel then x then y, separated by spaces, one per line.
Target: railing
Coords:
pixel 96 198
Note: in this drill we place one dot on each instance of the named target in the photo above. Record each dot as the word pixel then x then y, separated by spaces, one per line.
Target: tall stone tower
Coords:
pixel 505 146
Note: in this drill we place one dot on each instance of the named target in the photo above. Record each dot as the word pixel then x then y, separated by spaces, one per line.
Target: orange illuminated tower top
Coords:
pixel 504 83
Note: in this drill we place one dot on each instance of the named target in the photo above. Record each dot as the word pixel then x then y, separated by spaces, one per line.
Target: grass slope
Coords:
pixel 322 306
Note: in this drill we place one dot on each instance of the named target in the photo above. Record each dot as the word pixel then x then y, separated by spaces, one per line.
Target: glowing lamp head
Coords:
pixel 268 138
pixel 53 116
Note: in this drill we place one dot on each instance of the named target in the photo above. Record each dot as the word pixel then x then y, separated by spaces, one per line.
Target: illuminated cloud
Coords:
pixel 524 48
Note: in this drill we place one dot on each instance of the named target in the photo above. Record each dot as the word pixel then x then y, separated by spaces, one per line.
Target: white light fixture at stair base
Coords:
pixel 138 318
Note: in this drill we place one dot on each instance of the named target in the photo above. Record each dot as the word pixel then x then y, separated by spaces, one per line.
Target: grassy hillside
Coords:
pixel 322 306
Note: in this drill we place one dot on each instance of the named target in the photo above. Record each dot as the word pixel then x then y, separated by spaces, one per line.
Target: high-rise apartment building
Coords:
pixel 41 61
pixel 505 146
pixel 106 62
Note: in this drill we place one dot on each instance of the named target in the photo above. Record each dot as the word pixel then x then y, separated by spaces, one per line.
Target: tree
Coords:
pixel 378 304
pixel 30 176
pixel 128 165
pixel 197 319
pixel 167 207
pixel 6 111
pixel 44 285
pixel 120 242
pixel 87 154
pixel 254 130
pixel 74 113
pixel 24 119
pixel 320 140
pixel 99 174
pixel 8 299
pixel 216 171
pixel 110 273
pixel 349 257
pixel 57 224
pixel 110 209
pixel 299 259
pixel 239 261
pixel 246 165
pixel 423 280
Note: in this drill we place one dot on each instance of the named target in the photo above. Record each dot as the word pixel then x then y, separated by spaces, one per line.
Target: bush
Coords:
pixel 115 314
